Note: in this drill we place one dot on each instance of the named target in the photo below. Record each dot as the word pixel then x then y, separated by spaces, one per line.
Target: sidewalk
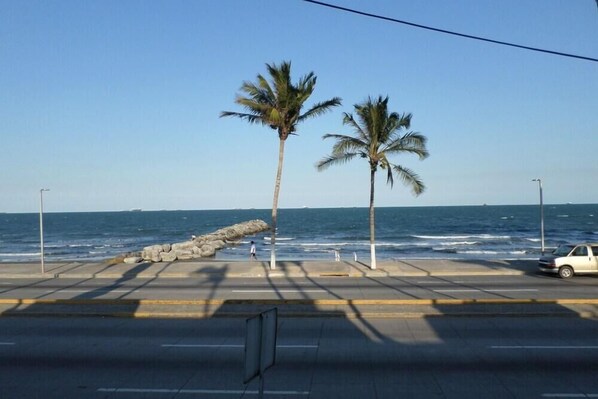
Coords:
pixel 231 269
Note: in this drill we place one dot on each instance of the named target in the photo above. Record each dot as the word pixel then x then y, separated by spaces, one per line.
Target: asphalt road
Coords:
pixel 316 358
pixel 532 286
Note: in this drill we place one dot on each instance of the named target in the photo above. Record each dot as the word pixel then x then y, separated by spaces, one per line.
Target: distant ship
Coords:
pixel 135 210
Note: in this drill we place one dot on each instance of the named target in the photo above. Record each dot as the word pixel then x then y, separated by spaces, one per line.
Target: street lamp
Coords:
pixel 541 214
pixel 41 224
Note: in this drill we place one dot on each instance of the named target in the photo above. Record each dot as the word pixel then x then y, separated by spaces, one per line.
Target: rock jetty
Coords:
pixel 203 246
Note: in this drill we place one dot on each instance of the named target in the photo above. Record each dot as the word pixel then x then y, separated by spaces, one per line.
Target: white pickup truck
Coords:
pixel 568 260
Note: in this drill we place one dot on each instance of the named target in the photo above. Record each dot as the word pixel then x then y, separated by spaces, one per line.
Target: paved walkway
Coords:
pixel 230 269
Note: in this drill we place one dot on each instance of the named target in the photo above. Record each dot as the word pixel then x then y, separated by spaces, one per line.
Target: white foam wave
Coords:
pixel 533 239
pixel 451 243
pixel 486 252
pixel 463 237
pixel 562 216
pixel 16 255
pixel 279 238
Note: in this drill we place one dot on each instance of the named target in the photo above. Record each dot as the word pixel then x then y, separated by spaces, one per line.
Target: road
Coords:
pixel 316 358
pixel 534 286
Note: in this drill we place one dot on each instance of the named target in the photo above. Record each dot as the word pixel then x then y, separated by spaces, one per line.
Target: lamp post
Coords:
pixel 541 214
pixel 41 224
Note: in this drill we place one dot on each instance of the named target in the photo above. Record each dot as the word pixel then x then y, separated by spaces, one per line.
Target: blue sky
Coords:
pixel 115 104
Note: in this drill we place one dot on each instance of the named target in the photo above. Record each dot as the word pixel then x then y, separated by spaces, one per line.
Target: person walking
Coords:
pixel 252 250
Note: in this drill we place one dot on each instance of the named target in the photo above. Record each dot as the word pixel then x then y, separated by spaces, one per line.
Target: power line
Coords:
pixel 366 14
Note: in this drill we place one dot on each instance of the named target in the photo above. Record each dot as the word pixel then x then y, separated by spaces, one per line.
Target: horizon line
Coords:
pixel 137 210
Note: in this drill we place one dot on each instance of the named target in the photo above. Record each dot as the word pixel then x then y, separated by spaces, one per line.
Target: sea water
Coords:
pixel 455 232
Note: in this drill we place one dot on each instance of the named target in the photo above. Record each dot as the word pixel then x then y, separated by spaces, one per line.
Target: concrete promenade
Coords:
pixel 260 269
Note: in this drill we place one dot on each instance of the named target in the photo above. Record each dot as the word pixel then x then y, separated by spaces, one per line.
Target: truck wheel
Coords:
pixel 565 272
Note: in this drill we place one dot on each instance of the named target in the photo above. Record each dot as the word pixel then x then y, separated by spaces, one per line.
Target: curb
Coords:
pixel 302 308
pixel 274 274
pixel 313 302
pixel 314 315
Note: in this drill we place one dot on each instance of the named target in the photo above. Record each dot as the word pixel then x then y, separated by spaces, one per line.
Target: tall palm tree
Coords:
pixel 378 135
pixel 278 104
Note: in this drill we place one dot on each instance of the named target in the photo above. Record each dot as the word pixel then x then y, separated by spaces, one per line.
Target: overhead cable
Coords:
pixel 366 14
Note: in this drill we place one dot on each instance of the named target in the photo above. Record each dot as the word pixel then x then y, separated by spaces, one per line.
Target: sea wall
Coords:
pixel 204 246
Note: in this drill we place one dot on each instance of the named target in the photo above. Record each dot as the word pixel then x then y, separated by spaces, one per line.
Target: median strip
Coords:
pixel 315 302
pixel 199 391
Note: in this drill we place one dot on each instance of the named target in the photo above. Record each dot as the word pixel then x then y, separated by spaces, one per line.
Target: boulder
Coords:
pixel 207 251
pixel 133 259
pixel 187 245
pixel 184 254
pixel 156 257
pixel 218 244
pixel 152 248
pixel 168 256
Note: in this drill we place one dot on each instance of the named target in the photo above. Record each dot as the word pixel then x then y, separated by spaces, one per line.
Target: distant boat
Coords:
pixel 135 210
pixel 305 207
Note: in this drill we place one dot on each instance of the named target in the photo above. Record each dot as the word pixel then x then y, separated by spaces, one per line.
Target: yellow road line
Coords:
pixel 325 302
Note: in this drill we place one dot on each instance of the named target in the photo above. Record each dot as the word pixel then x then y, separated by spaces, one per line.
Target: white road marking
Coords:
pixel 234 346
pixel 91 290
pixel 200 346
pixel 543 347
pixel 7 343
pixel 199 391
pixel 480 290
pixel 275 291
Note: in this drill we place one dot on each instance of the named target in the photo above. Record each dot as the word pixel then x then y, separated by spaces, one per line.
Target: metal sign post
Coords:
pixel 260 346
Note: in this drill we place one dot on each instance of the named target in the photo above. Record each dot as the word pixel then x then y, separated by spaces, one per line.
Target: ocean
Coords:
pixel 455 232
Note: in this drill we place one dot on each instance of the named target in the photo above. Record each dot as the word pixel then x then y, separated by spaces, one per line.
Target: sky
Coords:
pixel 115 105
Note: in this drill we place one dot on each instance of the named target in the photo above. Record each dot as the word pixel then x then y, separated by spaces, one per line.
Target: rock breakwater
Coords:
pixel 204 246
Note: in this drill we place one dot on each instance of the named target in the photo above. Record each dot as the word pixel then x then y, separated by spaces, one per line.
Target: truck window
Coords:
pixel 580 251
pixel 595 251
pixel 563 250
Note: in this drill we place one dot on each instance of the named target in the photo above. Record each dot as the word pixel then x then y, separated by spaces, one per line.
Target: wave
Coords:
pixel 487 252
pixel 16 255
pixel 449 243
pixel 279 238
pixel 463 237
pixel 562 216
pixel 357 244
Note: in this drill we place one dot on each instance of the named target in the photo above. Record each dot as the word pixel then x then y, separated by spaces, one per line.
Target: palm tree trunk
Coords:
pixel 275 205
pixel 372 223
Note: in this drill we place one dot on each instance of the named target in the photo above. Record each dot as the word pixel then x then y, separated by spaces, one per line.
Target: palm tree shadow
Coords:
pixel 88 301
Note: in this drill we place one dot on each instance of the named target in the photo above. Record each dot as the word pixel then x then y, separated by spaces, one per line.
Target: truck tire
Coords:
pixel 566 272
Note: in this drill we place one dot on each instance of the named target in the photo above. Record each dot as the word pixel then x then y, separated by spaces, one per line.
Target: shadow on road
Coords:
pixel 339 351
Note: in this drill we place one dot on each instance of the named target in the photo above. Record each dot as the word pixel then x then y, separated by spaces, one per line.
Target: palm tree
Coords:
pixel 278 104
pixel 378 135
